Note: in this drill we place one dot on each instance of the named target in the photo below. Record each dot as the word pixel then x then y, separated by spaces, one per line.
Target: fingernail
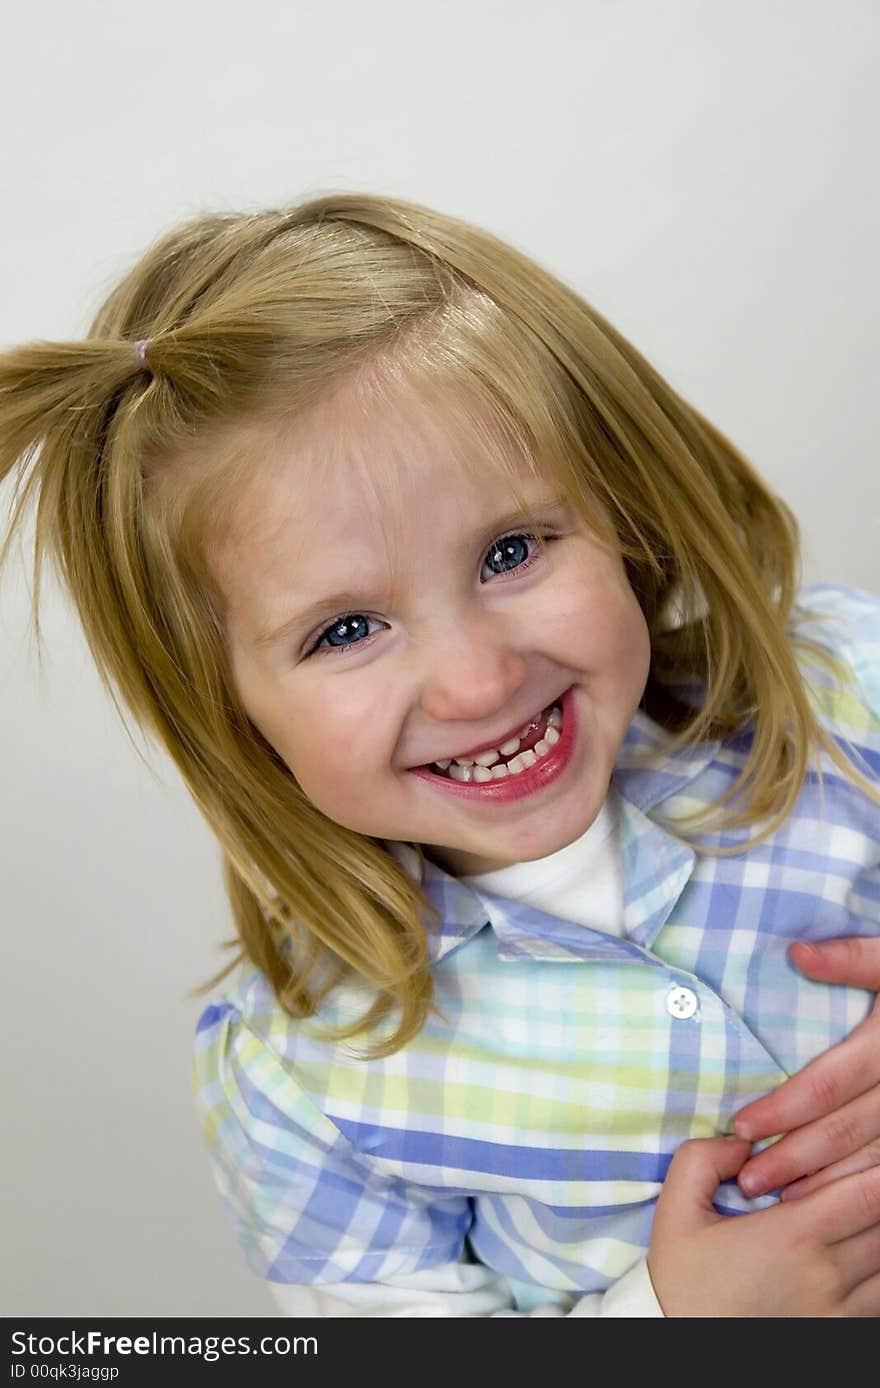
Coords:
pixel 743 1129
pixel 750 1184
pixel 792 1193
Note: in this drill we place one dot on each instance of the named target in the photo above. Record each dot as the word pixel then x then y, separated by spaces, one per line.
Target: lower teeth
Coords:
pixel 502 771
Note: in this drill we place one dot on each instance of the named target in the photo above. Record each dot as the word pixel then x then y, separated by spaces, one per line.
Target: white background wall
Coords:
pixel 703 172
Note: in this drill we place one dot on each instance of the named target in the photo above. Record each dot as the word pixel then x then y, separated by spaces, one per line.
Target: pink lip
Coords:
pixel 527 782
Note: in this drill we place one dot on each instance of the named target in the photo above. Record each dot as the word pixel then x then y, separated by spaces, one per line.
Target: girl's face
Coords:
pixel 442 640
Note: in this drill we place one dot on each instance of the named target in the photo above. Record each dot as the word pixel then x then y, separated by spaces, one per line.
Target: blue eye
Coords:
pixel 499 552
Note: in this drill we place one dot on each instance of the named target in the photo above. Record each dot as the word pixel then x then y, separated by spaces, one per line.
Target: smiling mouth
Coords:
pixel 534 741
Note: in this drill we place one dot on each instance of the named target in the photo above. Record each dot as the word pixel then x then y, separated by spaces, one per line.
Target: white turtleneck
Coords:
pixel 581 882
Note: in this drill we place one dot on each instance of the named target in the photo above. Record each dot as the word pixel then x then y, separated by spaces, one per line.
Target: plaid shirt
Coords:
pixel 537 1118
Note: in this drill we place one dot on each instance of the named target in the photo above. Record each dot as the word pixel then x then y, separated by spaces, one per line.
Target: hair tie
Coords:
pixel 140 353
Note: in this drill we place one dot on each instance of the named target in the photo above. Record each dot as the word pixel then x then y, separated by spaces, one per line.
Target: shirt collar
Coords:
pixel 656 866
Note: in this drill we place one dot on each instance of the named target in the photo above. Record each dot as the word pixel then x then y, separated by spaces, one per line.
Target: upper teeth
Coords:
pixel 491 755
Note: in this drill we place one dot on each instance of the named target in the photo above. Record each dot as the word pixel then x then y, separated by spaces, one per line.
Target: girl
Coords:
pixel 460 624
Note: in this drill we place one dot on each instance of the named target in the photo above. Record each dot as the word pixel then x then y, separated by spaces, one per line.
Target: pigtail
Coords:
pixel 56 401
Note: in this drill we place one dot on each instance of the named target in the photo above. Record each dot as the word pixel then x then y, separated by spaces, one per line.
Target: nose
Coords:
pixel 471 678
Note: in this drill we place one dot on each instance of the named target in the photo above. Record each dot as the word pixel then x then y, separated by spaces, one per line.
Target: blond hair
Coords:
pixel 252 319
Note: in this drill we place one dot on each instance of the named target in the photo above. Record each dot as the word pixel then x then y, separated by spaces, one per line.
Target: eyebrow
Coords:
pixel 549 507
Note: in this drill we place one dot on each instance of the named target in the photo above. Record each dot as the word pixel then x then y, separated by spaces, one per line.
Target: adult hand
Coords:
pixel 830 1110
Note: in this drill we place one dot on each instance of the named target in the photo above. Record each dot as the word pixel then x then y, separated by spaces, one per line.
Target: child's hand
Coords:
pixel 830 1111
pixel 819 1256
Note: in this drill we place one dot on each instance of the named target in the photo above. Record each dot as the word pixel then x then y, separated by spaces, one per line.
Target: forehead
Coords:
pixel 353 472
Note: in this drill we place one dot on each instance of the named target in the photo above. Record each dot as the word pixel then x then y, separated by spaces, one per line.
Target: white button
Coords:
pixel 681 1002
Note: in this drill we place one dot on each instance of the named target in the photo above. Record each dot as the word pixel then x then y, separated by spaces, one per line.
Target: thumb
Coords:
pixel 695 1173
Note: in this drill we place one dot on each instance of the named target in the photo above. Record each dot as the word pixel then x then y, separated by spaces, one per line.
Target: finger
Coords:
pixel 809 1149
pixel 858 1258
pixel 837 1212
pixel 849 959
pixel 831 1080
pixel 857 1161
pixel 695 1173
pixel 864 1301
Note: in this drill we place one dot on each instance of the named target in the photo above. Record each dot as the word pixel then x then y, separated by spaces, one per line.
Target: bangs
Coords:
pixel 469 372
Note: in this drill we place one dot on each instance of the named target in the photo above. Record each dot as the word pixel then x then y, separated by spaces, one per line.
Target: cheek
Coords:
pixel 631 649
pixel 328 745
pixel 341 776
pixel 597 616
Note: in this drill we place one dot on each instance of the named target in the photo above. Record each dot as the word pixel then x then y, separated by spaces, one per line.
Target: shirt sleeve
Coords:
pixel 330 1236
pixel 305 1206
